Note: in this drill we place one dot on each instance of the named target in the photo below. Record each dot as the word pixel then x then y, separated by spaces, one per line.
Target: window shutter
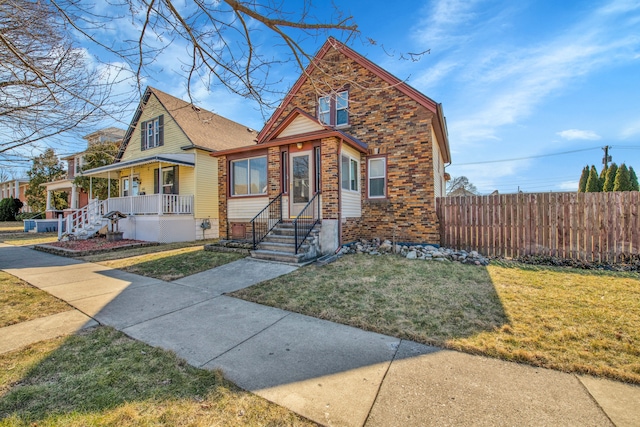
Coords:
pixel 161 131
pixel 175 180
pixel 142 135
pixel 156 181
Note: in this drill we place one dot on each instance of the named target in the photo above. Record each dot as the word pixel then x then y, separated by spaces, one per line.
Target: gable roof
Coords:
pixel 440 125
pixel 203 129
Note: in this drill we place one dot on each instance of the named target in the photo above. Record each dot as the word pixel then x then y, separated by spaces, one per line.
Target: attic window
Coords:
pixel 152 133
pixel 333 110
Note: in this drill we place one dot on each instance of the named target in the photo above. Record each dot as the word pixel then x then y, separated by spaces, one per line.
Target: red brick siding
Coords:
pixel 384 118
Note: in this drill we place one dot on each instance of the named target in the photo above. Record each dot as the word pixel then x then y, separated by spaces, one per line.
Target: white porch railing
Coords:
pixel 152 204
pixel 85 218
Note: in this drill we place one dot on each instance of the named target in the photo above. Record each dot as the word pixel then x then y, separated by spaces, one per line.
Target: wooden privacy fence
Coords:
pixel 587 226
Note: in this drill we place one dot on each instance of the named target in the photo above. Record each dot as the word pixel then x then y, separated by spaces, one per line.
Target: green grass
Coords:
pixel 126 253
pixel 566 319
pixel 21 302
pixel 172 264
pixel 102 377
pixel 11 226
pixel 28 239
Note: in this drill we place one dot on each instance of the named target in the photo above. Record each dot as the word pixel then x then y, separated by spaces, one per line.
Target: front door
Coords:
pixel 301 185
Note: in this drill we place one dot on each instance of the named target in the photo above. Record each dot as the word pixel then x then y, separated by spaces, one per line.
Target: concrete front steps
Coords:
pixel 279 245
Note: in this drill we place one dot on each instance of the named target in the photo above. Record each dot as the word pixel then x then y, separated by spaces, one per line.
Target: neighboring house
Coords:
pixel 16 188
pixel 461 191
pixel 168 180
pixel 77 198
pixel 365 158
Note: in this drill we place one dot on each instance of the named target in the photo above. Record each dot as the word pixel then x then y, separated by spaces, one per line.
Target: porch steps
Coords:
pixel 279 245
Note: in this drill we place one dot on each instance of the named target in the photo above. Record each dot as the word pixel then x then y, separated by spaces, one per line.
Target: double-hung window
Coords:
pixel 334 109
pixel 152 133
pixel 249 176
pixel 377 171
pixel 349 177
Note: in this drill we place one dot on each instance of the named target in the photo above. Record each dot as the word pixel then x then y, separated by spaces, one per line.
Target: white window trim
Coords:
pixel 346 108
pixel 351 159
pixel 383 176
pixel 232 180
pixel 151 140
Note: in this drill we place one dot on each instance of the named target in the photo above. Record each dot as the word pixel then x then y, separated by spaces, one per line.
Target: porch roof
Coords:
pixel 173 159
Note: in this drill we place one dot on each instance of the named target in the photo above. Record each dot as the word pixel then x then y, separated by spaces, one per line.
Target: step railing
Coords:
pixel 308 217
pixel 266 219
pixel 91 214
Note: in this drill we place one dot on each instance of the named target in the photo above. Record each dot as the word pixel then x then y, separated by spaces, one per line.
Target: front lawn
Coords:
pixel 102 377
pixel 11 226
pixel 28 239
pixel 19 301
pixel 560 318
pixel 172 264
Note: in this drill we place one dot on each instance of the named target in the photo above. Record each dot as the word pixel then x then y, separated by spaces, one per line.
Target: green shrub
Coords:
pixel 9 208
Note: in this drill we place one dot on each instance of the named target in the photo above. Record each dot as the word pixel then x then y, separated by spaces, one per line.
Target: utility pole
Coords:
pixel 607 158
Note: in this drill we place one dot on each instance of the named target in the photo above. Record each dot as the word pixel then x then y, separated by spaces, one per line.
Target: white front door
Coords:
pixel 301 186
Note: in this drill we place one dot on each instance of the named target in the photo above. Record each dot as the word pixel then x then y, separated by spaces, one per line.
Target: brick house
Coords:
pixel 361 154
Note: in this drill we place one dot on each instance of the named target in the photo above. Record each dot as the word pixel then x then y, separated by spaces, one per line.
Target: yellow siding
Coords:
pixel 174 137
pixel 145 173
pixel 206 186
pixel 351 201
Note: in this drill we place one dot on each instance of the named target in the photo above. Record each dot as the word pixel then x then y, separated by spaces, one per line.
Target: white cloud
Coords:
pixel 631 130
pixel 506 83
pixel 572 134
pixel 569 185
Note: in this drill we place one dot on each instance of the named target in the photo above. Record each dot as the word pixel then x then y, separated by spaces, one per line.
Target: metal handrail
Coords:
pixel 266 219
pixel 308 217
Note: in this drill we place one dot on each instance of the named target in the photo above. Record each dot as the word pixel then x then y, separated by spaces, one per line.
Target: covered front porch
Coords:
pixel 155 193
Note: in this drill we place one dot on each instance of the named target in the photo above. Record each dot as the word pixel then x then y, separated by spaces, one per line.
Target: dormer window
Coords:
pixel 333 110
pixel 152 133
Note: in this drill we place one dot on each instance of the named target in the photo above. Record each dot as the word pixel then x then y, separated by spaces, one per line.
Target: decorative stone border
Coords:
pixel 414 251
pixel 70 253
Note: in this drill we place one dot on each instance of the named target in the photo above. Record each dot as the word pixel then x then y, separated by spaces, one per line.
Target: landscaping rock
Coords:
pixel 414 252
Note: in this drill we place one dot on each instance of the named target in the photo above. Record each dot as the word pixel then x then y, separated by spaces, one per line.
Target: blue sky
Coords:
pixel 525 80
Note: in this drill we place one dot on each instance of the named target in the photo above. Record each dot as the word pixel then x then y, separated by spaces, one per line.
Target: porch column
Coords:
pixel 160 192
pixel 48 207
pixel 74 196
pixel 131 190
pixel 108 184
pixel 17 184
pixel 90 188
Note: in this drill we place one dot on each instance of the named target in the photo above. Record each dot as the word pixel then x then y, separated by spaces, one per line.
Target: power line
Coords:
pixel 525 158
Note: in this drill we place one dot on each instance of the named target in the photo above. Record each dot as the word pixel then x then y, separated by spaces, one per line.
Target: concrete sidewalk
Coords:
pixel 330 373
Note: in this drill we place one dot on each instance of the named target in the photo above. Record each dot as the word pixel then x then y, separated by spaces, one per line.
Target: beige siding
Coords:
pixel 245 208
pixel 351 201
pixel 300 125
pixel 174 137
pixel 438 168
pixel 206 186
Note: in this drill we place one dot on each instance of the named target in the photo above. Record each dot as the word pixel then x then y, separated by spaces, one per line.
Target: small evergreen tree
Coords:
pixel 634 179
pixel 582 186
pixel 610 179
pixel 593 183
pixel 623 180
pixel 601 178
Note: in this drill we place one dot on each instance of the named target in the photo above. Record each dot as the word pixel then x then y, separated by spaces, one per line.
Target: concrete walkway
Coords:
pixel 330 373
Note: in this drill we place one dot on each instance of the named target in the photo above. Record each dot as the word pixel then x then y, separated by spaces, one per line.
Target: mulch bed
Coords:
pixel 77 248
